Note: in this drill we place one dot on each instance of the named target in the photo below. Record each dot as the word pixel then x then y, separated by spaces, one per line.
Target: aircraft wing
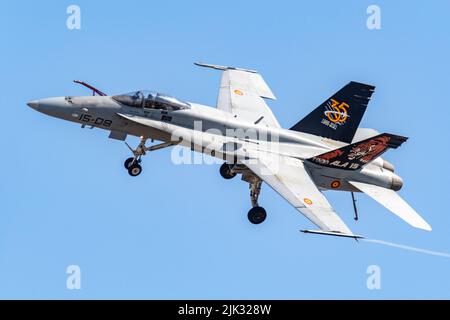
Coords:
pixel 289 178
pixel 242 93
pixel 394 203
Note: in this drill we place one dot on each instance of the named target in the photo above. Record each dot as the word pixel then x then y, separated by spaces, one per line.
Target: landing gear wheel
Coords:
pixel 225 171
pixel 257 215
pixel 134 170
pixel 128 163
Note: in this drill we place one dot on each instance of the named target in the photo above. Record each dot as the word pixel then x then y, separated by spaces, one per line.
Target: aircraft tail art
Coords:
pixel 356 155
pixel 338 117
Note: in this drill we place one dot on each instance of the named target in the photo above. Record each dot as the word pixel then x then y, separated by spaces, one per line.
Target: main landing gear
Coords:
pixel 133 164
pixel 226 171
pixel 256 214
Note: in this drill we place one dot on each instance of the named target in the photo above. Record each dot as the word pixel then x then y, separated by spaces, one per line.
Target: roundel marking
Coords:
pixel 335 184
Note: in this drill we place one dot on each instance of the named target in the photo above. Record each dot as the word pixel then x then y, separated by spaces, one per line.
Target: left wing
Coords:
pixel 289 178
pixel 241 93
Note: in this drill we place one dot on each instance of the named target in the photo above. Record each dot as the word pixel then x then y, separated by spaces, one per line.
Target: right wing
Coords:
pixel 289 178
pixel 241 93
pixel 394 203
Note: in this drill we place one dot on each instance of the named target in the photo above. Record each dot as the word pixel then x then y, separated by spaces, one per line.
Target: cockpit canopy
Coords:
pixel 151 100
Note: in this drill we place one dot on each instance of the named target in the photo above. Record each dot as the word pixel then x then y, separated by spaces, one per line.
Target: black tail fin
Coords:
pixel 356 155
pixel 338 117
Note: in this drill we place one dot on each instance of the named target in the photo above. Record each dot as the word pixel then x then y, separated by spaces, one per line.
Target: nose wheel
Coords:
pixel 133 164
pixel 134 170
pixel 133 167
pixel 128 163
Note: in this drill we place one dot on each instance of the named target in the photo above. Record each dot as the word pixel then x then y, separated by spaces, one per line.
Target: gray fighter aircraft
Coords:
pixel 324 151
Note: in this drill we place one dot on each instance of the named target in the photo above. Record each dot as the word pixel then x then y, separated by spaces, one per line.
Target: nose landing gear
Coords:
pixel 133 167
pixel 133 164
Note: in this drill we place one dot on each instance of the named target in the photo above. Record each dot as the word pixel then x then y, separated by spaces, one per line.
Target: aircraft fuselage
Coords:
pixel 215 132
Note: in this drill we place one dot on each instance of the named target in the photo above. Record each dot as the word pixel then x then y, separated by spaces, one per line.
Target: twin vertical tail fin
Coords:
pixel 338 117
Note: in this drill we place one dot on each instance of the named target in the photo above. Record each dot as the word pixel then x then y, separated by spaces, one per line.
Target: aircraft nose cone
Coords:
pixel 33 104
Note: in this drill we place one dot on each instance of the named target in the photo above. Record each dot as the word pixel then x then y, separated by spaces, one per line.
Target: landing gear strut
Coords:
pixel 133 164
pixel 256 214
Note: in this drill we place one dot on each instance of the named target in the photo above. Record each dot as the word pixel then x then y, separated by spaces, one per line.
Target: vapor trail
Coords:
pixel 401 246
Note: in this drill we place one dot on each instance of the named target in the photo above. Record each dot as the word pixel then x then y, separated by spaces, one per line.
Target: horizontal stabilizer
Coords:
pixel 356 155
pixel 331 233
pixel 394 203
pixel 222 68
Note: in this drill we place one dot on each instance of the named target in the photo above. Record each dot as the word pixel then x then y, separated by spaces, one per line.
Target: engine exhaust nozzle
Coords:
pixel 397 183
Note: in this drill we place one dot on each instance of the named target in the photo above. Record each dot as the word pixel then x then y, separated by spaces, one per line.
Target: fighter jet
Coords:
pixel 324 151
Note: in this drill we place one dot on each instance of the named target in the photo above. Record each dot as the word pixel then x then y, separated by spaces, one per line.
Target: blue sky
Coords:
pixel 182 231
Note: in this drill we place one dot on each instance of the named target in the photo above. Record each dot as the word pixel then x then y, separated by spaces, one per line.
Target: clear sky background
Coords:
pixel 182 231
